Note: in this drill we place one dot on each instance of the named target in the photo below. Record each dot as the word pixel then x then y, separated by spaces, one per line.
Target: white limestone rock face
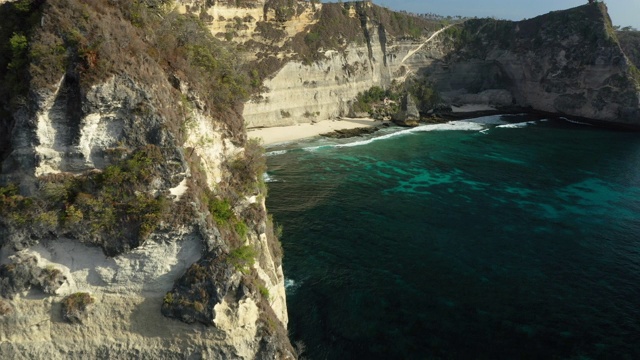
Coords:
pixel 74 133
pixel 126 320
pixel 56 136
pixel 304 93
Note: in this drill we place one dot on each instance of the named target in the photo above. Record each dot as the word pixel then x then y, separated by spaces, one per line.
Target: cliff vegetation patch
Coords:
pixel 76 307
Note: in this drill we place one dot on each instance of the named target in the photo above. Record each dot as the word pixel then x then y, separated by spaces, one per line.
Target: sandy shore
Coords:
pixel 282 134
pixel 275 135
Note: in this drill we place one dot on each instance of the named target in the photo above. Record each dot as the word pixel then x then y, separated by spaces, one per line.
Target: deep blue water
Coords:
pixel 483 241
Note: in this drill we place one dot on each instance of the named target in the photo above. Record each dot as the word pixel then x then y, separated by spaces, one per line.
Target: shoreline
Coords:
pixel 271 136
pixel 282 134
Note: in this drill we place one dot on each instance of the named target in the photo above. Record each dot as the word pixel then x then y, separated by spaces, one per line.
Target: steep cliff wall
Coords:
pixel 313 59
pixel 566 62
pixel 132 215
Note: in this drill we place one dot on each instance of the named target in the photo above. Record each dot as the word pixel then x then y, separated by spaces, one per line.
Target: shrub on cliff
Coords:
pixel 371 100
pixel 23 273
pixel 246 169
pixel 284 9
pixel 204 285
pixel 242 258
pixel 76 307
pixel 113 208
pixel 423 93
pixel 5 307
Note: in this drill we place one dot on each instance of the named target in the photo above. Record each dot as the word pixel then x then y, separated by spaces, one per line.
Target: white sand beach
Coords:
pixel 281 134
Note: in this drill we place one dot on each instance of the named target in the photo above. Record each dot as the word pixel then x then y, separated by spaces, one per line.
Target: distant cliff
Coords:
pixel 566 62
pixel 132 213
pixel 315 58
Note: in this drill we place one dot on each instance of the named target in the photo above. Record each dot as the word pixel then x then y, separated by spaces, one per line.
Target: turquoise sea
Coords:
pixel 512 237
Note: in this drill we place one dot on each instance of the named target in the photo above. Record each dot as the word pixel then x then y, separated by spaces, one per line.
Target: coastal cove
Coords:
pixel 449 187
pixel 496 237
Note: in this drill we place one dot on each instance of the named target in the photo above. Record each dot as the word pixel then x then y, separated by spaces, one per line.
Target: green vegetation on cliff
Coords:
pixel 365 100
pixel 75 307
pixel 113 208
pixel 174 70
pixel 384 103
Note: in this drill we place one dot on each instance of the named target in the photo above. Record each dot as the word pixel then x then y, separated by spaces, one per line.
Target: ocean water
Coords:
pixel 508 237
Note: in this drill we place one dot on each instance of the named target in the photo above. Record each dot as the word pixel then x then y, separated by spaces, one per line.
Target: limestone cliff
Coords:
pixel 132 215
pixel 314 58
pixel 568 62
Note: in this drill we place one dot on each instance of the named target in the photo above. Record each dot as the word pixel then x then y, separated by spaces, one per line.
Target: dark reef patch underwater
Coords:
pixel 497 238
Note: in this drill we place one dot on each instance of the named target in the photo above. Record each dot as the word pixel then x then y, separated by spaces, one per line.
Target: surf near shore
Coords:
pixel 347 127
pixel 284 134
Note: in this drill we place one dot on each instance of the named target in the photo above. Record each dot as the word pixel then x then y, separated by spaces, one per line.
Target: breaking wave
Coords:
pixel 575 121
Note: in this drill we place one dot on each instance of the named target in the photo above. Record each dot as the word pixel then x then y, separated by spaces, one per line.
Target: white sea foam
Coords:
pixel 290 285
pixel 575 121
pixel 383 137
pixel 477 124
pixel 459 125
pixel 516 125
pixel 277 152
pixel 268 178
pixel 316 148
pixel 486 120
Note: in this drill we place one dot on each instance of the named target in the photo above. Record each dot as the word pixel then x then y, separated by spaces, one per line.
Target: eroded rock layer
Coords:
pixel 132 214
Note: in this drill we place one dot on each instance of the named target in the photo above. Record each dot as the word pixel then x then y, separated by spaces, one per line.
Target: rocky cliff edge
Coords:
pixel 132 214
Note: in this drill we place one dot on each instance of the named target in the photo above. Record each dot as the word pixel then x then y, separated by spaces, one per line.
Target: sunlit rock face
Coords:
pixel 67 142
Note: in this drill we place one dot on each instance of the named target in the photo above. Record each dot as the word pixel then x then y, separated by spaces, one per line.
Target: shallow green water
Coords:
pixel 479 239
